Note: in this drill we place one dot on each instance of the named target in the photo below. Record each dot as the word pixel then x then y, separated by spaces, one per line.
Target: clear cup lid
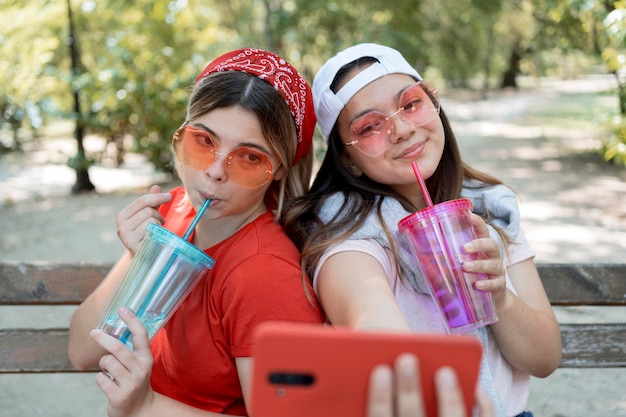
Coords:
pixel 182 247
pixel 461 204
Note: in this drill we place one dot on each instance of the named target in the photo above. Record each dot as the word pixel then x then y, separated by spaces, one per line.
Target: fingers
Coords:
pixel 121 358
pixel 483 244
pixel 143 208
pixel 141 341
pixel 449 396
pixel 106 382
pixel 133 220
pixel 494 267
pixel 487 257
pixel 397 392
pixel 380 395
pixel 480 226
pixel 409 402
pixel 125 376
pixel 483 248
pixel 112 364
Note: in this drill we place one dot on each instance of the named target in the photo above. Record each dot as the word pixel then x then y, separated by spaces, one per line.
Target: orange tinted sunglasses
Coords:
pixel 246 167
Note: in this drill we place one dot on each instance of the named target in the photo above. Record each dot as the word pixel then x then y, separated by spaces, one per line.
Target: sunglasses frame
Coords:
pixel 178 139
pixel 432 95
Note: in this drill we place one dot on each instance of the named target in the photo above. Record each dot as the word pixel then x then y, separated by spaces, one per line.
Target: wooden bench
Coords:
pixel 595 345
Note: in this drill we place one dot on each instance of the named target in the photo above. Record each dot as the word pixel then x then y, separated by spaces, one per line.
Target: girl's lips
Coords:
pixel 209 197
pixel 412 152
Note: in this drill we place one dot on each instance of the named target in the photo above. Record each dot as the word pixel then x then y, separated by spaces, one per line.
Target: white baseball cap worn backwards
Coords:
pixel 328 105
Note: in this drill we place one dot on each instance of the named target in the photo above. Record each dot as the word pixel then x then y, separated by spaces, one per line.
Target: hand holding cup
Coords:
pixel 489 263
pixel 437 236
pixel 133 220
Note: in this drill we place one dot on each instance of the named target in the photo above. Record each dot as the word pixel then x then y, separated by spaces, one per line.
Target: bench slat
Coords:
pixel 584 284
pixel 24 283
pixel 594 345
pixel 34 351
pixel 44 350
pixel 36 283
pixel 48 283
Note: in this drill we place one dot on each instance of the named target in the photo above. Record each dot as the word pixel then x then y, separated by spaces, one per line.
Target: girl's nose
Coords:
pixel 217 169
pixel 400 128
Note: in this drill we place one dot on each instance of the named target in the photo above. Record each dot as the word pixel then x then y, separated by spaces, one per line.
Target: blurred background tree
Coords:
pixel 32 91
pixel 614 55
pixel 138 59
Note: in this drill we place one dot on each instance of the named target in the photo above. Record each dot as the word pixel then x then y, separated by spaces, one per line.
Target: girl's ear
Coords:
pixel 350 165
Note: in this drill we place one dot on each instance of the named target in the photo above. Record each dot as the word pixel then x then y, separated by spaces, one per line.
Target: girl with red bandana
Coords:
pixel 245 146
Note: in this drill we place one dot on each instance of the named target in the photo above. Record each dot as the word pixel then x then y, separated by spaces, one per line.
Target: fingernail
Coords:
pixel 124 311
pixel 446 377
pixel 407 364
pixel 468 247
pixel 382 377
pixel 468 264
pixel 93 332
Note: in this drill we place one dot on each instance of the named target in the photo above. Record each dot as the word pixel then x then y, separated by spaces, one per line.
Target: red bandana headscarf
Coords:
pixel 281 75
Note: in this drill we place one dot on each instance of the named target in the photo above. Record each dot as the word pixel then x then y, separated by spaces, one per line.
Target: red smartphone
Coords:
pixel 305 370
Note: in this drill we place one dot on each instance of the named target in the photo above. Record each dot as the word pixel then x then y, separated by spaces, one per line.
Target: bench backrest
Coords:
pixel 594 345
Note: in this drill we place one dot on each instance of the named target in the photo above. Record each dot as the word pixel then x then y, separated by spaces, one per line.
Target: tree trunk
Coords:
pixel 509 78
pixel 83 183
pixel 81 164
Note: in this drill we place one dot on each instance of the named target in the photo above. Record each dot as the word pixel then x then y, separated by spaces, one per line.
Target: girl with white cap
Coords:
pixel 378 116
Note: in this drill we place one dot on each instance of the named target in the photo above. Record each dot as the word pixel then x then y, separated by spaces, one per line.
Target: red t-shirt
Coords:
pixel 256 277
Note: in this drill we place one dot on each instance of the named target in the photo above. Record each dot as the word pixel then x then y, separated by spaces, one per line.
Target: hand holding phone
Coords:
pixel 304 370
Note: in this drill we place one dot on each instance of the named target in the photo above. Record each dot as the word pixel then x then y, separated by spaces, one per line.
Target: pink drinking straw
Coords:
pixel 443 243
pixel 422 184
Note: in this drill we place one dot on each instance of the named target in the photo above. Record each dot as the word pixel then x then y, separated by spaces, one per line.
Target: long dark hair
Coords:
pixel 362 194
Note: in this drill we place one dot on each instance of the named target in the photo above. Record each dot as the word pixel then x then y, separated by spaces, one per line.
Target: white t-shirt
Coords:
pixel 421 312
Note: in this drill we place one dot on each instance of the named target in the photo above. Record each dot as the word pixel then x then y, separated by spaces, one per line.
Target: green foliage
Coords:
pixel 29 87
pixel 447 35
pixel 138 85
pixel 135 70
pixel 80 162
pixel 615 53
pixel 614 146
pixel 139 58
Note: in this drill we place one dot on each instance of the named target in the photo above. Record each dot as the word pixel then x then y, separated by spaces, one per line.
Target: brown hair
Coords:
pixel 362 194
pixel 234 88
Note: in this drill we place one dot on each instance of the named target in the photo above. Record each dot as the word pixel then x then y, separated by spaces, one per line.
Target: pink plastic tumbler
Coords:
pixel 436 235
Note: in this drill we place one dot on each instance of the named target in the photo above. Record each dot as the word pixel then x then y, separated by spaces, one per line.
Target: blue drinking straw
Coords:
pixel 157 282
pixel 196 219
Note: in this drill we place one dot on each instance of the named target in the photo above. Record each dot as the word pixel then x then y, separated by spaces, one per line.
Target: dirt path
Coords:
pixel 573 210
pixel 573 204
